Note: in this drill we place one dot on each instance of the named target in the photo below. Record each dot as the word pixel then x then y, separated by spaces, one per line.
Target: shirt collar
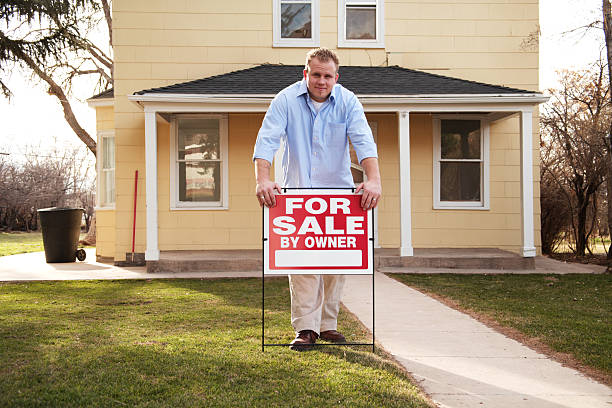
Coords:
pixel 303 90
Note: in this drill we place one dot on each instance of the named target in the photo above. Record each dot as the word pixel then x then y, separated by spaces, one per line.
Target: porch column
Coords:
pixel 528 245
pixel 404 179
pixel 152 249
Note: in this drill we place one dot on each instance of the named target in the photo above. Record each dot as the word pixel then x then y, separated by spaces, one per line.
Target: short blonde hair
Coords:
pixel 324 55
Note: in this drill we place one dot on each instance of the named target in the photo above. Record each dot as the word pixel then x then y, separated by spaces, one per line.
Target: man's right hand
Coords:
pixel 265 193
pixel 265 188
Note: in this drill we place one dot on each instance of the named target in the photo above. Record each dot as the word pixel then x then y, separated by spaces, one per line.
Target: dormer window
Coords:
pixel 360 24
pixel 296 23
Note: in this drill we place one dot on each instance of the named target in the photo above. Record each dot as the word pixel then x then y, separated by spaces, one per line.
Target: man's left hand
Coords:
pixel 371 194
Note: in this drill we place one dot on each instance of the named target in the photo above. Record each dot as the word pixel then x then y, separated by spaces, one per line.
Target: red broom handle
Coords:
pixel 135 195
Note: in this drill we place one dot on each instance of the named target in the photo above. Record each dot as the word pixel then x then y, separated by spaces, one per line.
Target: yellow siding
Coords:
pixel 105 233
pixel 105 218
pixel 105 118
pixel 158 43
pixel 238 227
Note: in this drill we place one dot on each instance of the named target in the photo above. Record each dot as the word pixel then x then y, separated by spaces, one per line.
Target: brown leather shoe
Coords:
pixel 304 340
pixel 333 336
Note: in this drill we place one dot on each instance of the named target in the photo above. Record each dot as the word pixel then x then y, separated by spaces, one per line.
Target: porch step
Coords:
pixel 453 258
pixel 385 260
pixel 243 260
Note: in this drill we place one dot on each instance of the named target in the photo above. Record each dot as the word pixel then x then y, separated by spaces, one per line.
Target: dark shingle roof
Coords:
pixel 268 79
pixel 109 93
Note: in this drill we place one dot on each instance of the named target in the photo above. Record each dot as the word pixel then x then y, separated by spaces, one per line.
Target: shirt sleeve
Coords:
pixel 359 131
pixel 272 129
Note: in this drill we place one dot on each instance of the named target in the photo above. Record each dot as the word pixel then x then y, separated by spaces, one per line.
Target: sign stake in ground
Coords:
pixel 317 232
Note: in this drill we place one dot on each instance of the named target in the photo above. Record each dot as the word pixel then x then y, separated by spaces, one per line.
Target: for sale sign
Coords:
pixel 317 232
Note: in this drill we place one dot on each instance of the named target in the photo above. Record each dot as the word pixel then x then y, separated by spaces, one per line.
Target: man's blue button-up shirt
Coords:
pixel 316 148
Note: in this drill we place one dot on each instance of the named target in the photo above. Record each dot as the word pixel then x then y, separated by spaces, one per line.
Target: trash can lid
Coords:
pixel 60 209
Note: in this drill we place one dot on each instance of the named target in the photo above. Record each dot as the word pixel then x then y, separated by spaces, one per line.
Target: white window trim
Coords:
pixel 379 42
pixel 99 160
pixel 175 204
pixel 484 204
pixel 278 41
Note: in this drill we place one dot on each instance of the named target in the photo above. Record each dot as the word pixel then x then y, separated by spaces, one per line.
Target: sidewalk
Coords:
pixel 459 361
pixel 32 266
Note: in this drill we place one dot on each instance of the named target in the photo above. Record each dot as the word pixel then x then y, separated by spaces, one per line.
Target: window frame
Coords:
pixel 379 42
pixel 175 203
pixel 484 203
pixel 278 41
pixel 100 180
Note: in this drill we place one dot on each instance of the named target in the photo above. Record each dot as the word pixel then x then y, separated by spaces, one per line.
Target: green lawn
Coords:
pixel 570 313
pixel 178 343
pixel 12 243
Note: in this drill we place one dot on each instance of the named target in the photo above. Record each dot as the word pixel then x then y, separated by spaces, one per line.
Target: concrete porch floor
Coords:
pixel 386 260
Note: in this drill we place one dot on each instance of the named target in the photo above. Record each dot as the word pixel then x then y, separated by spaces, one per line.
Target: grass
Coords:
pixel 568 313
pixel 178 343
pixel 12 243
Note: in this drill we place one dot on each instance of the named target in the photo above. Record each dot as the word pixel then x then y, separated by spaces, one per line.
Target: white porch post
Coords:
pixel 527 227
pixel 404 179
pixel 152 249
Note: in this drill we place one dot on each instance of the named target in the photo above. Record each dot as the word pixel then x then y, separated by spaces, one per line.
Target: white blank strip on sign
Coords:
pixel 298 258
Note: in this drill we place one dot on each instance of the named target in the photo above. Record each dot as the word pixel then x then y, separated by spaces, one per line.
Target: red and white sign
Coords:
pixel 317 232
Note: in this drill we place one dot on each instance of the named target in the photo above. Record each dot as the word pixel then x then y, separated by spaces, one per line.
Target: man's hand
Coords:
pixel 265 188
pixel 372 189
pixel 265 193
pixel 371 194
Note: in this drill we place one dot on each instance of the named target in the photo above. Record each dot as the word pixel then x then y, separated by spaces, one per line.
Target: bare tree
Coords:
pixel 574 126
pixel 50 39
pixel 607 28
pixel 43 179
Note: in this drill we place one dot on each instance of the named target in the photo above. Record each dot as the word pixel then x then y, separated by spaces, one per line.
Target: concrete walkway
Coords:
pixel 459 361
pixel 32 266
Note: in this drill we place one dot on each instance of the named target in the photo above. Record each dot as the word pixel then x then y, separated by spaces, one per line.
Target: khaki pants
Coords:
pixel 315 301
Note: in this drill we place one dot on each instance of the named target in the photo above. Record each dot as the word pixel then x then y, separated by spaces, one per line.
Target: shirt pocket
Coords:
pixel 336 134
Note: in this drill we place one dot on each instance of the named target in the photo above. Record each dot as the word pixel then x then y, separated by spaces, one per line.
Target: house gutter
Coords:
pixel 264 99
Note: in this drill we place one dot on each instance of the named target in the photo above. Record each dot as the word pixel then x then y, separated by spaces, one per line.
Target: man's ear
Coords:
pixel 337 76
pixel 305 74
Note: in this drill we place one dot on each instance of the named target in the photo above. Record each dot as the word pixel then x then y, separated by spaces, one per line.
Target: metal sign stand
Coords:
pixel 264 239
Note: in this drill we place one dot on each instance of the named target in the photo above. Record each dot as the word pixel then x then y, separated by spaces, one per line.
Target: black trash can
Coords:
pixel 61 228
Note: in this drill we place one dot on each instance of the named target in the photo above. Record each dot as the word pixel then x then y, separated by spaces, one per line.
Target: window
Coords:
pixel 106 169
pixel 199 162
pixel 296 23
pixel 461 173
pixel 361 23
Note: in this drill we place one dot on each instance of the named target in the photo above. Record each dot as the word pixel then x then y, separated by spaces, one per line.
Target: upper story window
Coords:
pixel 461 163
pixel 296 23
pixel 361 24
pixel 106 169
pixel 199 168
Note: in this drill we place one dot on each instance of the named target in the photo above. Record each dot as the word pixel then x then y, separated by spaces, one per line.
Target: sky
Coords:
pixel 35 118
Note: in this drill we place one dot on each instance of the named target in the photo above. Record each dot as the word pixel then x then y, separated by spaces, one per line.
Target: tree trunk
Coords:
pixel 90 238
pixel 55 89
pixel 607 26
pixel 581 240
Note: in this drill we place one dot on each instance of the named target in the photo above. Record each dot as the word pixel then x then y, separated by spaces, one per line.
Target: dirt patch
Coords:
pixel 533 343
pixel 595 259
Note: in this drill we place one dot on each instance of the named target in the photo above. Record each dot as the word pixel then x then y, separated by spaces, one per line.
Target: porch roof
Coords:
pixel 269 79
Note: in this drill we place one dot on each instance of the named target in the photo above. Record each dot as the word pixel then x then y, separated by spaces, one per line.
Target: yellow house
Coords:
pixel 450 89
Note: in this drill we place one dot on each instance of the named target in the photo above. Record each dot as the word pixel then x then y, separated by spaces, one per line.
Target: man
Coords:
pixel 314 118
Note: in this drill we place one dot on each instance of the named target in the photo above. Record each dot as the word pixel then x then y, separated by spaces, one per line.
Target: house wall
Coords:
pixel 158 43
pixel 105 217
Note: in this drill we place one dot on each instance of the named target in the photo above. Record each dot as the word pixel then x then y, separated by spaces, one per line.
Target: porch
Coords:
pixel 385 260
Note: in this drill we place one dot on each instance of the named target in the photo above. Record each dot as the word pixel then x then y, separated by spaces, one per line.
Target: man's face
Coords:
pixel 320 78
